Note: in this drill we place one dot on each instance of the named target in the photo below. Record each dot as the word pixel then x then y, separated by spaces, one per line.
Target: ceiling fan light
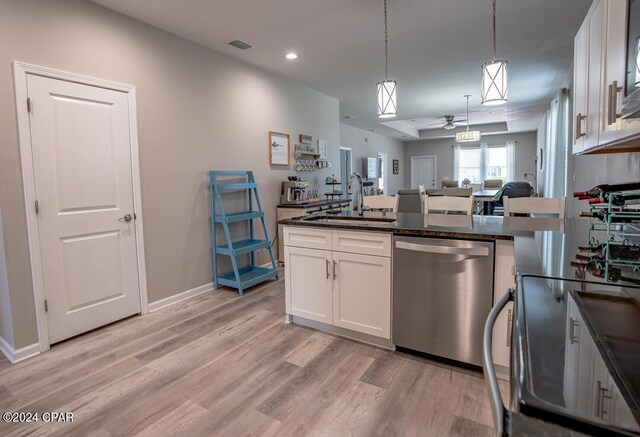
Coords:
pixel 468 136
pixel 387 99
pixel 449 126
pixel 494 83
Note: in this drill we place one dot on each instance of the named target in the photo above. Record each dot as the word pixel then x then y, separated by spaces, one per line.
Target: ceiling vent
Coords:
pixel 239 44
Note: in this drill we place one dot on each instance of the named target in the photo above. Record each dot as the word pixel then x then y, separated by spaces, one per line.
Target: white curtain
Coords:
pixel 456 149
pixel 557 147
pixel 511 159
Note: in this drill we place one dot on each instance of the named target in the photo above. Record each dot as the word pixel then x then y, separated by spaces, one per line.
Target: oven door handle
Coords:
pixel 497 407
pixel 445 250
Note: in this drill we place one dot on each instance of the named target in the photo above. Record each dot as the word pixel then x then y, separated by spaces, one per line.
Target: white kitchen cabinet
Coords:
pixel 339 278
pixel 362 293
pixel 594 74
pixel 308 272
pixel 504 280
pixel 580 83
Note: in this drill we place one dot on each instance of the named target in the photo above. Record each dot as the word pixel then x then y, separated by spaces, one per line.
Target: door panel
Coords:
pixel 309 272
pixel 423 172
pixel 83 180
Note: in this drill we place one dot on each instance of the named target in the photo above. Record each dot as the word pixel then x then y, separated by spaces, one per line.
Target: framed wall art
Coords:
pixel 279 148
pixel 396 166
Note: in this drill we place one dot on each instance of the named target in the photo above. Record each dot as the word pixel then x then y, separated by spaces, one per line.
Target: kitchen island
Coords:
pixel 569 365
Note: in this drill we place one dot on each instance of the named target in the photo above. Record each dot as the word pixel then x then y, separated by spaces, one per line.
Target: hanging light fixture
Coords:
pixel 386 92
pixel 494 75
pixel 638 62
pixel 468 136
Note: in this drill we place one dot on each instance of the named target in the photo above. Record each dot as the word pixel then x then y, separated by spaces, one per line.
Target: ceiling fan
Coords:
pixel 449 122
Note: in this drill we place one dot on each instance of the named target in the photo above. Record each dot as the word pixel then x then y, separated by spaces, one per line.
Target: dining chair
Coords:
pixel 534 205
pixel 387 203
pixel 450 184
pixel 448 204
pixel 492 184
pixel 458 192
pixel 410 201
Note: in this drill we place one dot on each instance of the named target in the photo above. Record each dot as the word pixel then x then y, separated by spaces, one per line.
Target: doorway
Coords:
pixel 78 142
pixel 423 171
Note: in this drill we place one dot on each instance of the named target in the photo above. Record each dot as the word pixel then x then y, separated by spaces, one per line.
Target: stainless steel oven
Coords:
pixel 631 103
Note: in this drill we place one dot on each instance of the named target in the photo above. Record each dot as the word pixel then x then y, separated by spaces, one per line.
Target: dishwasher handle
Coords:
pixel 497 407
pixel 445 250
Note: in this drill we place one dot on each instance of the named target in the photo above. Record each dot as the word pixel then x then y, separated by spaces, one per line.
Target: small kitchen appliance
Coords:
pixel 293 192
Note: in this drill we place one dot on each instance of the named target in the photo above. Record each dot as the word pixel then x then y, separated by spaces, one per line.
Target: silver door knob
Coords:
pixel 126 218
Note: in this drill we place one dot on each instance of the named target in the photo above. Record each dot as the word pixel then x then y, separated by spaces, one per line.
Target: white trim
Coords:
pixel 17 355
pixel 435 168
pixel 174 299
pixel 20 72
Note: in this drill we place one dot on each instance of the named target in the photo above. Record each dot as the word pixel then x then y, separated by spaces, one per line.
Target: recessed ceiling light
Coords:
pixel 291 56
pixel 350 117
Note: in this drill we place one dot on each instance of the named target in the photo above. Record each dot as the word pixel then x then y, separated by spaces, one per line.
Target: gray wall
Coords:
pixel 6 325
pixel 197 110
pixel 365 144
pixel 525 153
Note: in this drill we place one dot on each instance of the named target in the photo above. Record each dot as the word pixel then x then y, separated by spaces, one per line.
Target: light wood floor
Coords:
pixel 222 365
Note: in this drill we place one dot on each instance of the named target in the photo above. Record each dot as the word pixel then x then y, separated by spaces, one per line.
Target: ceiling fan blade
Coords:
pixel 437 124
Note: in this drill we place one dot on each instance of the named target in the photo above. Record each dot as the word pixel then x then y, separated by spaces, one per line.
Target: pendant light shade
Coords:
pixel 638 62
pixel 386 92
pixel 494 83
pixel 468 136
pixel 387 100
pixel 494 75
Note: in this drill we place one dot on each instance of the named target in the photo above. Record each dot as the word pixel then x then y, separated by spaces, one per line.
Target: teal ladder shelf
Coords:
pixel 245 277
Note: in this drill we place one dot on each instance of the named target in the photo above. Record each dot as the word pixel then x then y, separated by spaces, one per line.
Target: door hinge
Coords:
pixel 37 207
pixel 135 216
pixel 46 305
pixel 29 105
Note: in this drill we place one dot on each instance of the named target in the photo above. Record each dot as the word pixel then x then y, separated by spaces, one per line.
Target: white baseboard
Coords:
pixel 172 300
pixel 17 355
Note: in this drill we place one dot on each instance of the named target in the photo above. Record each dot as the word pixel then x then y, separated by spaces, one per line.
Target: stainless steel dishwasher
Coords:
pixel 442 295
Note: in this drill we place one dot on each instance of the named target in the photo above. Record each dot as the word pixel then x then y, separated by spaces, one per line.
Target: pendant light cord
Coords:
pixel 467 96
pixel 386 41
pixel 494 29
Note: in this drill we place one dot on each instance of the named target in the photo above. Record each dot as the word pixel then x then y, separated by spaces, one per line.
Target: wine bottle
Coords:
pixel 602 215
pixel 625 252
pixel 599 190
pixel 617 200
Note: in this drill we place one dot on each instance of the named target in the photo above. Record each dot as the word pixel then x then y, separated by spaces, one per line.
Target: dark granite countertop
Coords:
pixel 320 203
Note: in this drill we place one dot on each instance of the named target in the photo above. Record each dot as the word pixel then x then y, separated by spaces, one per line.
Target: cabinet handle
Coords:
pixel 335 274
pixel 509 327
pixel 573 338
pixel 601 395
pixel 327 268
pixel 579 118
pixel 613 115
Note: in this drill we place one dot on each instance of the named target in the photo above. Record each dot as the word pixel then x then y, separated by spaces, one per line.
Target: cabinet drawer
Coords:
pixel 299 236
pixel 366 243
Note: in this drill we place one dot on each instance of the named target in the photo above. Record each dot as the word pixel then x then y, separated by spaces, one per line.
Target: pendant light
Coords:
pixel 468 136
pixel 494 75
pixel 386 89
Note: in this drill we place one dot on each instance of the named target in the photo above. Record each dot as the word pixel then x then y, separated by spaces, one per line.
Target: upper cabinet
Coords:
pixel 600 72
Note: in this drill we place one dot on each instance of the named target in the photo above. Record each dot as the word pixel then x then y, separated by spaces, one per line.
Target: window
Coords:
pixel 480 162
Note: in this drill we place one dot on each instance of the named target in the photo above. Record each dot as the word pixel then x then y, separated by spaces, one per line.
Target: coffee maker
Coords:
pixel 293 192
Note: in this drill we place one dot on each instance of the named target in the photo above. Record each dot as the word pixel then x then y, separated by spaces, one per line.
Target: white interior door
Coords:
pixel 81 148
pixel 423 171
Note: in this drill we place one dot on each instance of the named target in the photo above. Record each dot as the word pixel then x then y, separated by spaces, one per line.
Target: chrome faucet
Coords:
pixel 360 198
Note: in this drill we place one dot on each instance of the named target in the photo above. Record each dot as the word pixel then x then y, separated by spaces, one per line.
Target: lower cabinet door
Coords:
pixel 362 293
pixel 309 272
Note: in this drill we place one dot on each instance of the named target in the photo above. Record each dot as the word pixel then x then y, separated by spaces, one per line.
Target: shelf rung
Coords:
pixel 239 216
pixel 249 276
pixel 242 247
pixel 237 186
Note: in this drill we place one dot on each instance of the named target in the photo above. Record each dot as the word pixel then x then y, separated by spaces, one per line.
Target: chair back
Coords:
pixel 387 203
pixel 458 192
pixel 512 190
pixel 446 204
pixel 534 205
pixel 450 184
pixel 410 201
pixel 492 184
